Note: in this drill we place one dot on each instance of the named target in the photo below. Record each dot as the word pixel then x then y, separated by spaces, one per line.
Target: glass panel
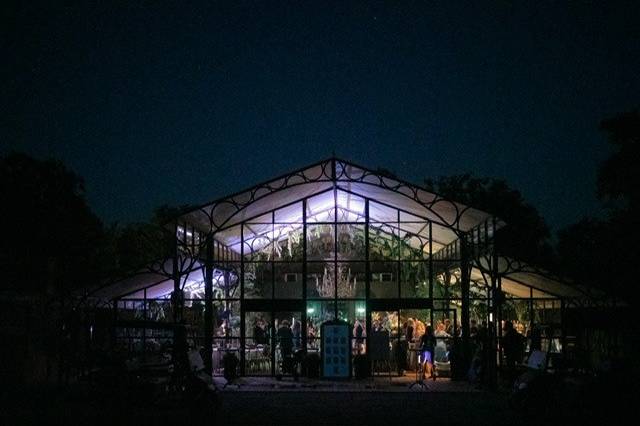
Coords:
pixel 288 242
pixel 320 242
pixel 257 280
pixel 257 345
pixel 412 326
pixel 194 315
pixel 257 358
pixel 412 246
pixel 516 311
pixel 226 318
pixel 383 241
pixel 351 280
pixel 288 339
pixel 381 213
pixel 407 217
pixel 321 280
pixel 384 280
pixel 222 347
pixel 257 326
pixel 446 281
pixel 350 207
pixel 351 244
pixel 226 285
pixel 288 280
pixel 257 246
pixel 479 313
pixel 386 320
pixel 317 313
pixel 289 214
pixel 320 208
pixel 414 279
pixel 354 312
pixel 157 310
pixel 444 324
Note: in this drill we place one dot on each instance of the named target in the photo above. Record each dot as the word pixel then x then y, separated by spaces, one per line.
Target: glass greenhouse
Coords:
pixel 334 241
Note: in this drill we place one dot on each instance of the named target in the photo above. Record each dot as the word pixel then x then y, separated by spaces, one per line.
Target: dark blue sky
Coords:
pixel 171 104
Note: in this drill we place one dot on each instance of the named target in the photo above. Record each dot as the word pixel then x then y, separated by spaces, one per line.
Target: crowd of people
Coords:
pixel 417 340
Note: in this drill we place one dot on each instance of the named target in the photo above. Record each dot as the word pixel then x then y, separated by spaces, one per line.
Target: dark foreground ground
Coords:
pixel 78 404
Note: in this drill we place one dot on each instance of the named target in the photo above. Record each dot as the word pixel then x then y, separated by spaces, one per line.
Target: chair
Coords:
pixel 441 359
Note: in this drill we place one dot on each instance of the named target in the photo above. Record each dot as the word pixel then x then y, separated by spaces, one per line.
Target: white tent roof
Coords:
pixel 520 279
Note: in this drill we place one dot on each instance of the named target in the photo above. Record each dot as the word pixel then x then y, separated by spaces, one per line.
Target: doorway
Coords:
pixel 269 338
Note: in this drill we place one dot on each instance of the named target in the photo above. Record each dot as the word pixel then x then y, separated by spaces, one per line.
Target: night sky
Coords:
pixel 156 104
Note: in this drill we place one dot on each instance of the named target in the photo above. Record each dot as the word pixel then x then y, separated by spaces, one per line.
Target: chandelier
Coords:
pixel 326 285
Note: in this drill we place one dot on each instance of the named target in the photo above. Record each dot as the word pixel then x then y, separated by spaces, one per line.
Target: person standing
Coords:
pixel 512 344
pixel 358 333
pixel 427 347
pixel 259 333
pixel 285 339
pixel 296 330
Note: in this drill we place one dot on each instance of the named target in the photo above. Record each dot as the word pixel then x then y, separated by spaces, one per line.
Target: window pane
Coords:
pixel 413 246
pixel 383 241
pixel 288 242
pixel 226 318
pixel 351 280
pixel 317 313
pixel 321 208
pixel 414 279
pixel 257 247
pixel 384 282
pixel 320 242
pixel 351 244
pixel 289 214
pixel 288 280
pixel 350 207
pixel 321 280
pixel 257 280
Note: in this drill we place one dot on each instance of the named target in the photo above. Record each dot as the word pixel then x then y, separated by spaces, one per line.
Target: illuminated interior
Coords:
pixel 333 241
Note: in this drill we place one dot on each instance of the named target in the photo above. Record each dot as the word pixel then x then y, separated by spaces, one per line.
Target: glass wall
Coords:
pixel 328 257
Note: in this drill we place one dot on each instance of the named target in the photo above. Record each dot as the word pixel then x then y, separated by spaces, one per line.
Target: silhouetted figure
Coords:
pixel 296 330
pixel 259 333
pixel 536 339
pixel 512 344
pixel 285 337
pixel 358 333
pixel 427 347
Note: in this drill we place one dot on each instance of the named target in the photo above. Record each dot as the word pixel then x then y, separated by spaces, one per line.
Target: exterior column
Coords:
pixel 465 268
pixel 208 306
pixel 492 375
pixel 177 298
pixel 243 329
pixel 303 315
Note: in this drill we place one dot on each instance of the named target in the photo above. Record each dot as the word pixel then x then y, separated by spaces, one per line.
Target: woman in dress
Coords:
pixel 427 346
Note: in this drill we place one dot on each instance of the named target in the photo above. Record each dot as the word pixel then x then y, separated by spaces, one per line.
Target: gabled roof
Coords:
pixel 354 183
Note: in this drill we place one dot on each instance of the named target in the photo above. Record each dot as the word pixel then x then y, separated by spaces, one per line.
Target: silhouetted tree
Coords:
pixel 619 175
pixel 136 245
pixel 604 253
pixel 526 236
pixel 51 239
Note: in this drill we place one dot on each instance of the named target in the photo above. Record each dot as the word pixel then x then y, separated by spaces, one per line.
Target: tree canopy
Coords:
pixel 527 235
pixel 51 239
pixel 603 253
